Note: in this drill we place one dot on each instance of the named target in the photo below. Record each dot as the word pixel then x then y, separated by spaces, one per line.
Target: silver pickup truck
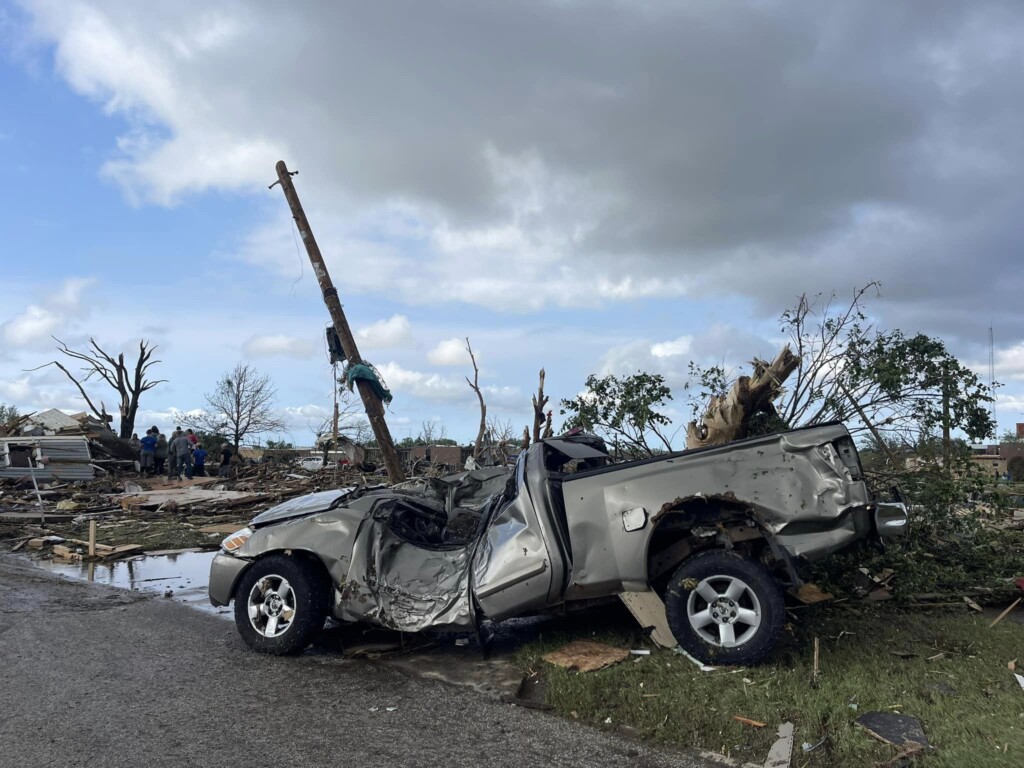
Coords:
pixel 698 543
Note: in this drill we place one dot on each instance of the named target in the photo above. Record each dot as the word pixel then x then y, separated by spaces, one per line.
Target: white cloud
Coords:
pixel 679 346
pixel 57 311
pixel 451 352
pixel 18 390
pixel 278 345
pixel 429 386
pixel 33 325
pixel 1009 363
pixel 393 332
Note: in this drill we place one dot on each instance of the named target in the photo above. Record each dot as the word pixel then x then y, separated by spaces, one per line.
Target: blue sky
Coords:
pixel 580 208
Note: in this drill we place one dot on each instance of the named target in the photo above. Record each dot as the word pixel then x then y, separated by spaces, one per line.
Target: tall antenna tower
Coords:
pixel 992 377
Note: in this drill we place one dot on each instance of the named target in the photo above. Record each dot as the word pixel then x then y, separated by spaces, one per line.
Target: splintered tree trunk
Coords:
pixel 539 401
pixel 728 418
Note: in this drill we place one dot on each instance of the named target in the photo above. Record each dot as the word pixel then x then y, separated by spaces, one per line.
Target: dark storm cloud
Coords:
pixel 758 149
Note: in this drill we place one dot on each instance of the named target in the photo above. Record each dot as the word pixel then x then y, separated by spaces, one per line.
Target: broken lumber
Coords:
pixel 1002 615
pixel 121 551
pixel 748 721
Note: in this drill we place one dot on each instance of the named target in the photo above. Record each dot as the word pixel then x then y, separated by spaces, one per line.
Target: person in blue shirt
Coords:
pixel 147 456
pixel 199 461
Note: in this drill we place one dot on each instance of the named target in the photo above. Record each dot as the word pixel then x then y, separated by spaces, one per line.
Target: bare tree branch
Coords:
pixel 114 372
pixel 478 445
pixel 241 406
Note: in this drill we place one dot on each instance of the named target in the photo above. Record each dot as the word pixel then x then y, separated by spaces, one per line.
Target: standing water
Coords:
pixel 185 574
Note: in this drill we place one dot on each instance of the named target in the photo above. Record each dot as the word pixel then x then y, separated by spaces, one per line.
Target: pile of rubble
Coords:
pixel 149 514
pixel 52 446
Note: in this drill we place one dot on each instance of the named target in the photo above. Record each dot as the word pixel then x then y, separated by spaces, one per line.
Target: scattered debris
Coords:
pixel 972 605
pixel 781 753
pixel 532 693
pixel 898 730
pixel 808 747
pixel 748 721
pixel 641 652
pixel 586 656
pixel 1020 679
pixel 1003 615
pixel 809 594
pixel 700 664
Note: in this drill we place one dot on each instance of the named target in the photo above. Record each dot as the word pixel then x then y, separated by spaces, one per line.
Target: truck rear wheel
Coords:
pixel 724 608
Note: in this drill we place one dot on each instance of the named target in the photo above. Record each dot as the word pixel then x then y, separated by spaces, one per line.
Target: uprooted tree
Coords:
pixel 882 383
pixel 128 380
pixel 241 405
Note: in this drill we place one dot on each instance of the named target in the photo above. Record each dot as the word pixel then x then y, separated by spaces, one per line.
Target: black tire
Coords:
pixel 761 599
pixel 308 605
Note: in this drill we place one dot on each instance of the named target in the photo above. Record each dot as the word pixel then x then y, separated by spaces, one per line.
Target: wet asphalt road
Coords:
pixel 91 675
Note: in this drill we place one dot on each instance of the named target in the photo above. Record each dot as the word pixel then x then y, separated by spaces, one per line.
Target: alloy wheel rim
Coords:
pixel 724 611
pixel 271 606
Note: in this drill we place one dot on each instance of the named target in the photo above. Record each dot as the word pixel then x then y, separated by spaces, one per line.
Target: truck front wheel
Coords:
pixel 724 608
pixel 280 605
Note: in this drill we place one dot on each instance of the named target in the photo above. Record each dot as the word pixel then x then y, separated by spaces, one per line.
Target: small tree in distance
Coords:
pixel 8 415
pixel 241 405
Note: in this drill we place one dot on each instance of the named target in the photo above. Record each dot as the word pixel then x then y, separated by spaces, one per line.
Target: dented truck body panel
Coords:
pixel 797 491
pixel 443 554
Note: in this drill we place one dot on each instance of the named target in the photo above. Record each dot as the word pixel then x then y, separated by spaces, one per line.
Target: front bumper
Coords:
pixel 224 573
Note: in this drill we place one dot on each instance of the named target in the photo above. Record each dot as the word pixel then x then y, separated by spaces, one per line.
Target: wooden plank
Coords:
pixel 100 548
pixel 59 550
pixel 1002 615
pixel 121 551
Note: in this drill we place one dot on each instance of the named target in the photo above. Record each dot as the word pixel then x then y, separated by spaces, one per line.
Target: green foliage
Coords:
pixel 8 414
pixel 1009 436
pixel 279 445
pixel 627 411
pixel 906 388
pixel 709 382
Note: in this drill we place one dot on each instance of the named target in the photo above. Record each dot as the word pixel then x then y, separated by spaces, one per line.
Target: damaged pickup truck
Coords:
pixel 707 537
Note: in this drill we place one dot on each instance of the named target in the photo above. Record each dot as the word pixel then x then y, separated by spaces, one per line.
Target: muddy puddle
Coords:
pixel 184 574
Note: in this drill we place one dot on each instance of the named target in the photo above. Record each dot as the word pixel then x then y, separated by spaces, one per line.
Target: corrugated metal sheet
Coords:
pixel 69 472
pixel 69 458
pixel 53 420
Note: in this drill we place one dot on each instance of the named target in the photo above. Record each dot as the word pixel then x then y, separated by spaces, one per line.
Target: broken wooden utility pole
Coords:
pixel 371 400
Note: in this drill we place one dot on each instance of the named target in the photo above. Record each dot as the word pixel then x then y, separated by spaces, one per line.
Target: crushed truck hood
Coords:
pixel 300 506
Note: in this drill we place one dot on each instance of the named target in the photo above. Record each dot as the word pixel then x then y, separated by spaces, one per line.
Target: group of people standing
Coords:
pixel 182 454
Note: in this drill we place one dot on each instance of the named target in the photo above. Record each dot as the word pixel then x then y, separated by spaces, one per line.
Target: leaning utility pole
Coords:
pixel 372 403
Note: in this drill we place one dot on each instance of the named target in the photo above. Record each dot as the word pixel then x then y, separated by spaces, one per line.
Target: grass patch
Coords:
pixel 970 704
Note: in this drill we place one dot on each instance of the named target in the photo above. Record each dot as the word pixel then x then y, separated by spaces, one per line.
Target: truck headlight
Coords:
pixel 236 539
